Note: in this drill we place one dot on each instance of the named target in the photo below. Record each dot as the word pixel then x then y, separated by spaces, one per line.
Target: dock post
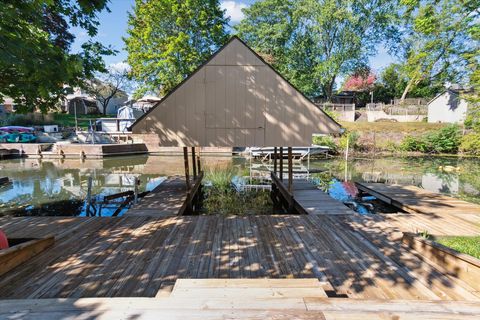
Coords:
pixel 187 171
pixel 275 160
pixel 290 169
pixel 281 163
pixel 135 190
pixel 89 196
pixel 199 168
pixel 194 164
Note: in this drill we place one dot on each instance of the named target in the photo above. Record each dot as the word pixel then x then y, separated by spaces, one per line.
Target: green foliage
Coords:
pixel 323 180
pixel 467 245
pixel 38 119
pixel 326 141
pixel 471 144
pixel 35 58
pixel 221 198
pixel 221 178
pixel 168 39
pixel 440 40
pixel 424 234
pixel 350 138
pixel 313 42
pixel 393 81
pixel 445 140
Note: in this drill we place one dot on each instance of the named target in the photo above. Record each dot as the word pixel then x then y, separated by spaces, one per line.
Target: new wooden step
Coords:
pixel 253 288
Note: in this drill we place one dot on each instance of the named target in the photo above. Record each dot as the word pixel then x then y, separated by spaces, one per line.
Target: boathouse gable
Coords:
pixel 235 100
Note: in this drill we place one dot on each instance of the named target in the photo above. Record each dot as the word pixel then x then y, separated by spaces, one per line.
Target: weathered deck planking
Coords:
pixel 416 200
pixel 245 307
pixel 315 201
pixel 165 200
pixel 138 256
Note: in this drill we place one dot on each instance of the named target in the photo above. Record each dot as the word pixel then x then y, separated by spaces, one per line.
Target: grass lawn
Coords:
pixel 61 119
pixel 403 127
pixel 68 120
pixel 467 245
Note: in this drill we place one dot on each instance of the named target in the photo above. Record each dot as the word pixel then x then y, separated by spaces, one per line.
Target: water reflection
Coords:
pixel 58 187
pixel 453 176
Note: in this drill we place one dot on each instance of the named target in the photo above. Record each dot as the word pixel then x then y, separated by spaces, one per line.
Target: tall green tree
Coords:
pixel 313 42
pixel 438 38
pixel 394 80
pixel 168 39
pixel 35 58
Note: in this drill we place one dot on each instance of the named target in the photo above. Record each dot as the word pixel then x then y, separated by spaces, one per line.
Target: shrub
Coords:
pixel 326 141
pixel 471 144
pixel 445 140
pixel 413 144
pixel 352 139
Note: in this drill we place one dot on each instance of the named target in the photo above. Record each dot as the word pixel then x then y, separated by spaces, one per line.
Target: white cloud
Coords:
pixel 119 66
pixel 233 10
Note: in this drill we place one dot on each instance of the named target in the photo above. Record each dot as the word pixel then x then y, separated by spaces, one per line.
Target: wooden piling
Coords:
pixel 187 171
pixel 275 160
pixel 194 163
pixel 199 168
pixel 281 163
pixel 290 169
pixel 89 196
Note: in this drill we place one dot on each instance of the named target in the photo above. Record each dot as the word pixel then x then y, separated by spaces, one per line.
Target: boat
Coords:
pixel 13 129
pixel 17 134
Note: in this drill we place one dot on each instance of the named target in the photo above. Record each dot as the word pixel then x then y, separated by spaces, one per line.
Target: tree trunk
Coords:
pixel 407 89
pixel 329 89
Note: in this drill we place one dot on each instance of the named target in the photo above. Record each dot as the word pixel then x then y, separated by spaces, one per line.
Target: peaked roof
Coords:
pixel 236 64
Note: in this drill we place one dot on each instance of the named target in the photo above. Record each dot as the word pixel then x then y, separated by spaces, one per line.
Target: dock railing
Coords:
pixel 279 188
pixel 193 195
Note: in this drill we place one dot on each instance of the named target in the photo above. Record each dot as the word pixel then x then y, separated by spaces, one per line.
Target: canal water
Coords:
pixel 59 187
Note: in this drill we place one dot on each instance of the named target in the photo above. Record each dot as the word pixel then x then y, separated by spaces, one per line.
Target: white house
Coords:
pixel 448 107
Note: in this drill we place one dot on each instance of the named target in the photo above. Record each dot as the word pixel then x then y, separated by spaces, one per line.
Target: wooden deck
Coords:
pixel 305 198
pixel 140 256
pixel 170 198
pixel 166 200
pixel 315 201
pixel 436 213
pixel 245 307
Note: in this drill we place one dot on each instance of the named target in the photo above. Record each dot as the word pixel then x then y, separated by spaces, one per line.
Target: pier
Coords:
pixel 439 214
pixel 140 256
pixel 306 198
pixel 170 198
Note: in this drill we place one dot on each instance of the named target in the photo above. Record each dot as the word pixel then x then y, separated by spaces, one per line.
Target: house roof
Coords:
pixel 453 89
pixel 235 98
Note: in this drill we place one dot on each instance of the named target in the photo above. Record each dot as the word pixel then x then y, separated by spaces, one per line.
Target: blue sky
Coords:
pixel 113 26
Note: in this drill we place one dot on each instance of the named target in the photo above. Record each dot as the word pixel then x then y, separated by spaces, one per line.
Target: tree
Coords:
pixel 168 39
pixel 35 62
pixel 393 81
pixel 360 81
pixel 108 85
pixel 313 42
pixel 438 37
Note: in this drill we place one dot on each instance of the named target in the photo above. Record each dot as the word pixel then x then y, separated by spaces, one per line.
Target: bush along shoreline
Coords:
pixel 450 140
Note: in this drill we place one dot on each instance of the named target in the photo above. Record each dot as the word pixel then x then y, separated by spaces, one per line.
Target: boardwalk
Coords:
pixel 315 201
pixel 139 256
pixel 436 213
pixel 306 198
pixel 164 201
